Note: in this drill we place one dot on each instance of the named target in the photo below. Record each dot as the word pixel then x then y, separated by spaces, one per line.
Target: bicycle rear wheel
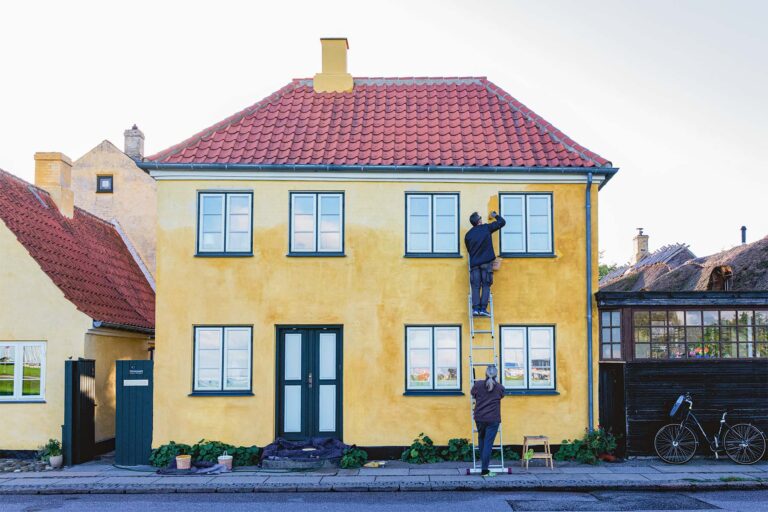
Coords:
pixel 744 443
pixel 675 443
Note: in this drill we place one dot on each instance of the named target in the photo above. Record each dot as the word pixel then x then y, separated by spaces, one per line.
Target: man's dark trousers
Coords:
pixel 486 433
pixel 481 279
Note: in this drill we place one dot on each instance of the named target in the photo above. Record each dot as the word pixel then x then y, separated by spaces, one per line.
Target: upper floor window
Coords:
pixel 22 371
pixel 662 334
pixel 104 184
pixel 317 223
pixel 432 224
pixel 528 358
pixel 222 359
pixel 225 223
pixel 610 334
pixel 529 224
pixel 432 358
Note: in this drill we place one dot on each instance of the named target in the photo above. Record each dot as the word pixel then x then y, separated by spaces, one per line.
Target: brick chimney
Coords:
pixel 53 173
pixel 334 76
pixel 641 246
pixel 134 143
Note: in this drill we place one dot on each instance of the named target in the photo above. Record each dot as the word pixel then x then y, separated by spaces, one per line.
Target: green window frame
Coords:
pixel 224 223
pixel 433 360
pixel 22 371
pixel 316 223
pixel 432 225
pixel 528 359
pixel 105 184
pixel 222 360
pixel 530 229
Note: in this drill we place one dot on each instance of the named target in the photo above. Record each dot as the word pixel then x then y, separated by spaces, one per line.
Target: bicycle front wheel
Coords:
pixel 744 443
pixel 675 443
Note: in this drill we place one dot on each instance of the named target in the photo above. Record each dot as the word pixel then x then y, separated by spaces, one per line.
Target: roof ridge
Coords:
pixel 237 116
pixel 545 125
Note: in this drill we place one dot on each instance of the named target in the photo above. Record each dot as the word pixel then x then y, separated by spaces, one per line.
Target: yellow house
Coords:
pixel 70 289
pixel 312 278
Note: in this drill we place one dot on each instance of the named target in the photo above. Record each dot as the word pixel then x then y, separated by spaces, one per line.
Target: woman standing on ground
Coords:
pixel 487 394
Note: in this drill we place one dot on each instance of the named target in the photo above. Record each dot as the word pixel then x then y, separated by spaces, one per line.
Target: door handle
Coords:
pixel 309 379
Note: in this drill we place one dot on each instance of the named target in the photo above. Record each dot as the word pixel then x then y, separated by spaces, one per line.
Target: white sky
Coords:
pixel 672 92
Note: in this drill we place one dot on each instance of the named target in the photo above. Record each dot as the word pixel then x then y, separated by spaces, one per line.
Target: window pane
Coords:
pixel 746 350
pixel 445 243
pixel 330 204
pixel 211 220
pixel 292 409
pixel 710 318
pixel 538 243
pixel 292 356
pixel 212 242
pixel 761 317
pixel 606 335
pixel 541 357
pixel 745 317
pixel 213 204
pixel 208 359
pixel 538 221
pixel 447 357
pixel 7 364
pixel 419 358
pixel 616 334
pixel 304 204
pixel 642 335
pixel 642 351
pixel 728 350
pixel 658 318
pixel 327 348
pixel 615 318
pixel 238 358
pixel 641 318
pixel 616 351
pixel 304 242
pixel 605 318
pixel 727 318
pixel 693 318
pixel 676 318
pixel 513 234
pixel 211 223
pixel 607 352
pixel 418 205
pixel 762 350
pixel 239 242
pixel 327 408
pixel 514 357
pixel 239 204
pixel 418 224
pixel 761 334
pixel 677 350
pixel 330 241
pixel 659 351
pixel 677 334
pixel 512 242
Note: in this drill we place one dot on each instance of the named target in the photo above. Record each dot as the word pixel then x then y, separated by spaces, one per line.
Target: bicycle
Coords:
pixel 676 443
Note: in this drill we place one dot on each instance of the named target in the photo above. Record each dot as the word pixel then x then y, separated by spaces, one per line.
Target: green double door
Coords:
pixel 309 382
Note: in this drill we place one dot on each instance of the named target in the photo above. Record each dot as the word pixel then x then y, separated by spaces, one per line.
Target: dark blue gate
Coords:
pixel 79 429
pixel 133 422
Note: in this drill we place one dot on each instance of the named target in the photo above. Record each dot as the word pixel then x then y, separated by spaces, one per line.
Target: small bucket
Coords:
pixel 226 461
pixel 496 265
pixel 183 461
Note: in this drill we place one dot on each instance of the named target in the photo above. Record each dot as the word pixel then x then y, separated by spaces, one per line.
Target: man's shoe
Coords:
pixel 483 312
pixel 489 474
pixel 476 312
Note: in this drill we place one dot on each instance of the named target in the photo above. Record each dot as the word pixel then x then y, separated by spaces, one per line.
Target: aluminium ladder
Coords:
pixel 481 354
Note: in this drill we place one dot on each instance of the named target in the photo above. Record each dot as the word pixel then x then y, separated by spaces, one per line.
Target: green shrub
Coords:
pixel 353 458
pixel 210 450
pixel 511 454
pixel 245 455
pixel 459 450
pixel 421 451
pixel 50 449
pixel 587 449
pixel 163 455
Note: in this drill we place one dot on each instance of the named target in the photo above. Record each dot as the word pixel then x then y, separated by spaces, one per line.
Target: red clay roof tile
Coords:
pixel 483 124
pixel 84 256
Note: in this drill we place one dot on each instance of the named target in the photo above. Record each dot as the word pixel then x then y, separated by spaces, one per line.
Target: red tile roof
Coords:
pixel 84 256
pixel 466 122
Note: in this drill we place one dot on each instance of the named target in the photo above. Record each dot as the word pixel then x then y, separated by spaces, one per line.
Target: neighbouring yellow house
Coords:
pixel 71 289
pixel 312 278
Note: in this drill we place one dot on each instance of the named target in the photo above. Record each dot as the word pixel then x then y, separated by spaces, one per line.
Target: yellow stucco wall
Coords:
pixel 373 292
pixel 32 308
pixel 132 203
pixel 106 347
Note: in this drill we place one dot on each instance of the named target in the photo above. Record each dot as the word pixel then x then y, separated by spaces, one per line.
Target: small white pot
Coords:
pixel 226 460
pixel 56 461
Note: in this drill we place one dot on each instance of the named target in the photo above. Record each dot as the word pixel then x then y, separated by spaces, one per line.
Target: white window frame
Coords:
pixel 223 342
pixel 224 225
pixel 525 201
pixel 432 214
pixel 18 371
pixel 527 371
pixel 433 385
pixel 316 215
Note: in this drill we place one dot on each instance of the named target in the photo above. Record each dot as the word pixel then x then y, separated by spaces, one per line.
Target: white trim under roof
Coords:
pixel 135 254
pixel 425 177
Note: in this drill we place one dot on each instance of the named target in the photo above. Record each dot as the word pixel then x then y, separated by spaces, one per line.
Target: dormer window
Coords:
pixel 721 279
pixel 104 184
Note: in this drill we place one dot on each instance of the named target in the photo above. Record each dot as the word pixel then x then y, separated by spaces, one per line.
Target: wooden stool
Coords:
pixel 529 441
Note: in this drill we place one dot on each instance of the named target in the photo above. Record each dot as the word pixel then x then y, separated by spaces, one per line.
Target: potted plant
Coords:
pixel 52 451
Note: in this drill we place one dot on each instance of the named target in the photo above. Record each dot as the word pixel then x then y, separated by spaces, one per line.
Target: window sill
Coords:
pixel 104 191
pixel 316 255
pixel 544 392
pixel 221 393
pixel 434 393
pixel 431 255
pixel 528 255
pixel 41 401
pixel 223 255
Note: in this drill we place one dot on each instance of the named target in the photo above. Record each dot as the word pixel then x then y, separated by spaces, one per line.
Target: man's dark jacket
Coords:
pixel 479 243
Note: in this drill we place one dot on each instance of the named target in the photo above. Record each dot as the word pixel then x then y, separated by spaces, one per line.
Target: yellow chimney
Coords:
pixel 334 76
pixel 53 173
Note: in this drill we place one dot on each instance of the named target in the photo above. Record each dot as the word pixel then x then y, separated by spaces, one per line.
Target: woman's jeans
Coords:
pixel 486 434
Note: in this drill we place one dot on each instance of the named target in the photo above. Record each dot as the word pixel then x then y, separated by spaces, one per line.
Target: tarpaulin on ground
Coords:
pixel 314 449
pixel 199 467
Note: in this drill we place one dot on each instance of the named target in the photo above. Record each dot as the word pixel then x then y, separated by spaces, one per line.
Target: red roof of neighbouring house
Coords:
pixel 465 122
pixel 84 256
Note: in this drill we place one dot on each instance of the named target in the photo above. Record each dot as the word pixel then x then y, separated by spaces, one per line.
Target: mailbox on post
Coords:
pixel 133 422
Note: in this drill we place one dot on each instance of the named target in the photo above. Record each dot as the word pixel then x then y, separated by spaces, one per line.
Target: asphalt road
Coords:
pixel 398 501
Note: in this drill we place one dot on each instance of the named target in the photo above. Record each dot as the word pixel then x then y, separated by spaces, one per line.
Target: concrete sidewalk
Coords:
pixel 101 477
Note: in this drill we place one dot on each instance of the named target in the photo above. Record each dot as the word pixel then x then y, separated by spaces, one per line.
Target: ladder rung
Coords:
pixel 483 331
pixel 483 348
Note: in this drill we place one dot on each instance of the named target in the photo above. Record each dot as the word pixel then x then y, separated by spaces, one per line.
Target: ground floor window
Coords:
pixel 528 357
pixel 222 359
pixel 432 358
pixel 22 370
pixel 670 334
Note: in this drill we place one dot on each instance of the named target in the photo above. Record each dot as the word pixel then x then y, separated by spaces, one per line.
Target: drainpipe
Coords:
pixel 588 214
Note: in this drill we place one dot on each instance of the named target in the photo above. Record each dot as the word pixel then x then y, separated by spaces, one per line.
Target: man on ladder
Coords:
pixel 486 394
pixel 481 255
